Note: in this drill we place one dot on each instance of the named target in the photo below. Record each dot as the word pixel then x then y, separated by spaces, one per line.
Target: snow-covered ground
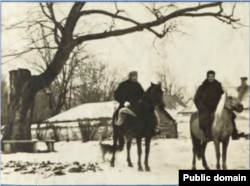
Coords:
pixel 167 156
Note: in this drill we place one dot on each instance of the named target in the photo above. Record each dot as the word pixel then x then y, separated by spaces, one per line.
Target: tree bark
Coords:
pixel 23 89
pixel 20 109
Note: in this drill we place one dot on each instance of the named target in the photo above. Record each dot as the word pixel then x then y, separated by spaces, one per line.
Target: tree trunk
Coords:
pixel 20 109
pixel 23 89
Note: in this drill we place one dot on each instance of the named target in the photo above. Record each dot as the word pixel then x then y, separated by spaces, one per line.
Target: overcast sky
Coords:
pixel 207 44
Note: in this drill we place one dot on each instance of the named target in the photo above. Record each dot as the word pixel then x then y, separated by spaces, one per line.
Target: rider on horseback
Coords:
pixel 129 91
pixel 128 95
pixel 206 100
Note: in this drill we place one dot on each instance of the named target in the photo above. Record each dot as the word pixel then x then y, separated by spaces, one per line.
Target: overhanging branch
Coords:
pixel 116 16
pixel 148 25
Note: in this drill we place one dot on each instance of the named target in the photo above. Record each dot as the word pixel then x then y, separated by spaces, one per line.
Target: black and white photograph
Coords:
pixel 122 93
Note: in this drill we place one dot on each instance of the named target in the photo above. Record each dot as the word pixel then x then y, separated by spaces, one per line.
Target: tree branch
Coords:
pixel 28 50
pixel 53 19
pixel 116 16
pixel 147 25
pixel 72 19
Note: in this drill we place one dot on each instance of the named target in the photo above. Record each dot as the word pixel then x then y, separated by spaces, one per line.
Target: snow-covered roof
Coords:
pixel 88 111
pixel 190 108
pixel 173 103
pixel 84 111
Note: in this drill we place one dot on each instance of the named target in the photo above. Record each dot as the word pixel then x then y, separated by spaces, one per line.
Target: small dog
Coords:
pixel 105 148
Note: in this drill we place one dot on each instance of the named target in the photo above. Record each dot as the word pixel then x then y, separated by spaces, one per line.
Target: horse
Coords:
pixel 139 127
pixel 221 130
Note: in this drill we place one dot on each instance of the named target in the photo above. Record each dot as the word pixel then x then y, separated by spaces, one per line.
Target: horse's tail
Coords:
pixel 195 141
pixel 121 143
pixel 196 147
pixel 116 135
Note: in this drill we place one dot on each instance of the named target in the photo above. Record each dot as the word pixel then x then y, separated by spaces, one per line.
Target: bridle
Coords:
pixel 229 106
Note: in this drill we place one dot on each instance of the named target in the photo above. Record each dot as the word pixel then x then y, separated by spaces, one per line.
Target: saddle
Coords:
pixel 123 112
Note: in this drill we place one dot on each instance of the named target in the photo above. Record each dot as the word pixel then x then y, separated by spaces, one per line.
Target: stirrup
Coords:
pixel 127 111
pixel 119 121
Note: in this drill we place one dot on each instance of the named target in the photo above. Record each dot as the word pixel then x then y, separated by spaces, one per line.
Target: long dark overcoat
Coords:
pixel 206 100
pixel 128 91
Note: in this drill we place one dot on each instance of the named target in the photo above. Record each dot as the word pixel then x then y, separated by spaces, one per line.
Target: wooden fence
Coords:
pixel 89 129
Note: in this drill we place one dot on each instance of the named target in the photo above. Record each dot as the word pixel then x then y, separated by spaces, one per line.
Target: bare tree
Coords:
pixel 97 83
pixel 64 38
pixel 61 88
pixel 169 83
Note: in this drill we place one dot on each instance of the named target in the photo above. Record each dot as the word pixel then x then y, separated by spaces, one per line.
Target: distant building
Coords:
pixel 190 109
pixel 173 104
pixel 68 122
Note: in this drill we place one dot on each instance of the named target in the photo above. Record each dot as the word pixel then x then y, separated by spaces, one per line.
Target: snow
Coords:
pixel 166 157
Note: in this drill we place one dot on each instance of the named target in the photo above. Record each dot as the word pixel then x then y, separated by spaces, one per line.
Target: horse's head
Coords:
pixel 232 102
pixel 156 95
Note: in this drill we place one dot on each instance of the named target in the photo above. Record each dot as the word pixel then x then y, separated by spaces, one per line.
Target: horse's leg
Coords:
pixel 196 149
pixel 112 162
pixel 224 153
pixel 147 149
pixel 203 150
pixel 194 143
pixel 139 151
pixel 217 151
pixel 194 160
pixel 128 153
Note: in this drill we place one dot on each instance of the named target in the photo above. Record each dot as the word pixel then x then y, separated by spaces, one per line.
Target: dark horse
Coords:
pixel 141 126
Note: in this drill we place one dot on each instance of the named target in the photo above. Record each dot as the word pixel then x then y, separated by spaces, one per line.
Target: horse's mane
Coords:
pixel 220 105
pixel 146 94
pixel 146 97
pixel 227 92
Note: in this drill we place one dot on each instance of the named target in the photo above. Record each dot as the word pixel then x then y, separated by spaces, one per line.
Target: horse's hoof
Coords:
pixel 140 169
pixel 207 168
pixel 148 169
pixel 130 164
pixel 218 166
pixel 112 165
pixel 224 167
pixel 193 168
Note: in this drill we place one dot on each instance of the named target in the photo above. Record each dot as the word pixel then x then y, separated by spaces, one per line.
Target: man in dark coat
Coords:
pixel 206 100
pixel 129 91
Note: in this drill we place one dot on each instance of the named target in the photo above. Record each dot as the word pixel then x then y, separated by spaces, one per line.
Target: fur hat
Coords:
pixel 211 72
pixel 132 73
pixel 243 78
